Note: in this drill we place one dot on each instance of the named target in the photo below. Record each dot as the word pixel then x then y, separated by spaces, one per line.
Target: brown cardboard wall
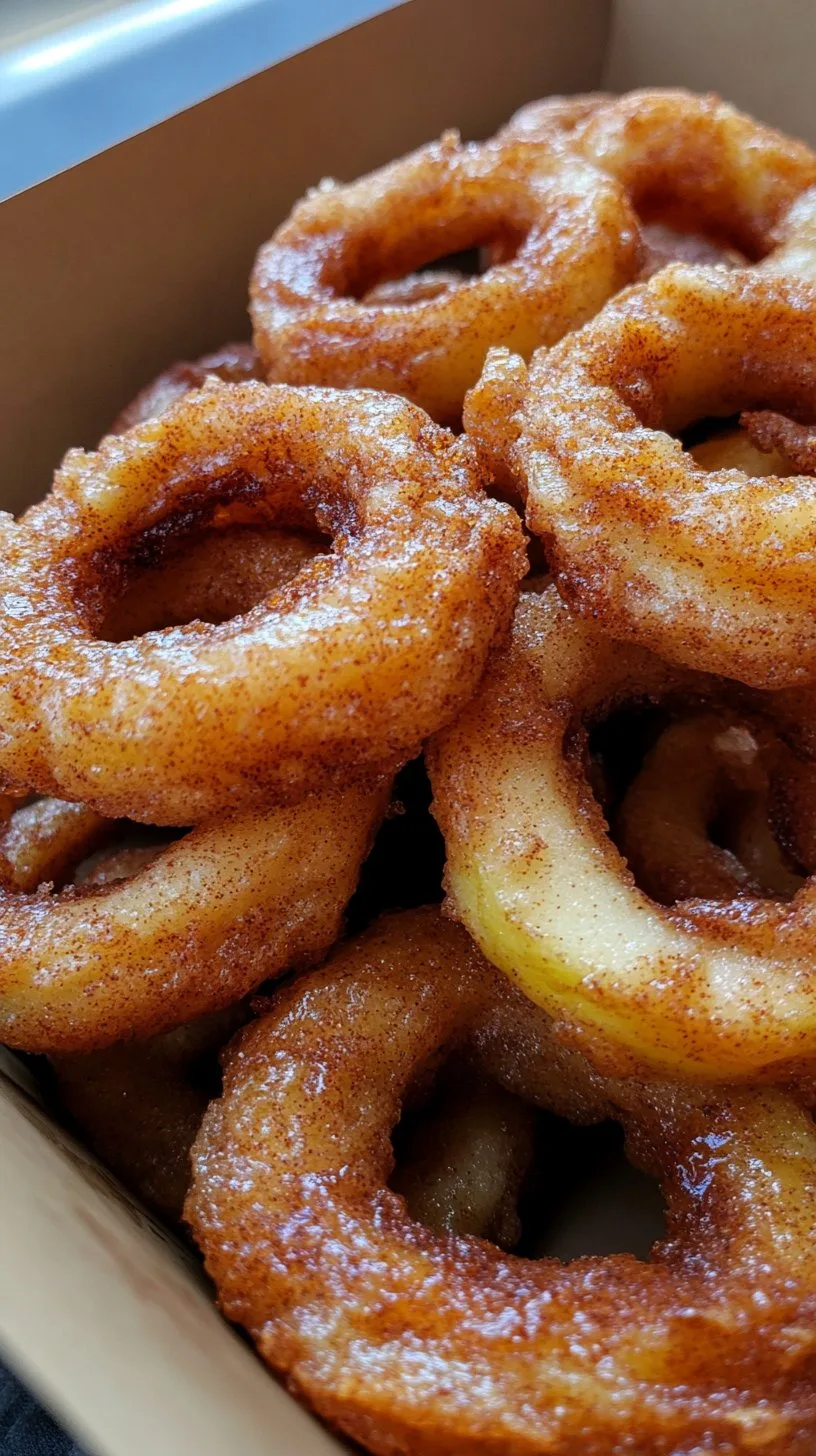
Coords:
pixel 756 53
pixel 114 269
pixel 112 1322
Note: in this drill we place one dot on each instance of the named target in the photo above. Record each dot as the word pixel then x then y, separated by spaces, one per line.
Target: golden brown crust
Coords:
pixel 341 673
pixel 691 162
pixel 43 841
pixel 711 569
pixel 773 432
pixel 220 910
pixel 414 1341
pixel 562 232
pixel 710 768
pixel 710 990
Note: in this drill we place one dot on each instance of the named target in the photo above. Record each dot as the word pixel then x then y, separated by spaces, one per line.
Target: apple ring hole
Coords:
pixel 473 1158
pixel 437 276
pixel 692 802
pixel 405 865
pixel 209 567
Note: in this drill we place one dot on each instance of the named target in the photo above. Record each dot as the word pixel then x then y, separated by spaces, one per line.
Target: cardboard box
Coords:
pixel 107 273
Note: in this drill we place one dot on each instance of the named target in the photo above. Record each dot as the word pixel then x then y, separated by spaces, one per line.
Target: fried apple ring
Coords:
pixel 410 1340
pixel 691 162
pixel 226 569
pixel 44 840
pixel 342 672
pixel 139 1105
pixel 233 363
pixel 773 433
pixel 219 911
pixel 710 569
pixel 706 989
pixel 703 769
pixel 564 239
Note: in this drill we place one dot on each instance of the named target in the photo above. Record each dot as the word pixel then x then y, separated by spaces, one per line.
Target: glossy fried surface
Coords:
pixel 44 840
pixel 341 672
pixel 225 569
pixel 562 235
pixel 233 902
pixel 139 1104
pixel 707 989
pixel 421 1342
pixel 689 161
pixel 713 569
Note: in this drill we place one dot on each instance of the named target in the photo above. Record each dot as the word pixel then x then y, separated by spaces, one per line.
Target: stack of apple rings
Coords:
pixel 518 475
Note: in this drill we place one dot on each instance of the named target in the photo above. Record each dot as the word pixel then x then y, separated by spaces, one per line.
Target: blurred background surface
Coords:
pixel 78 77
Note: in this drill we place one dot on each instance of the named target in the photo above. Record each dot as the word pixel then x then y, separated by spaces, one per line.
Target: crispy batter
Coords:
pixel 712 768
pixel 188 933
pixel 224 570
pixel 692 162
pixel 712 569
pixel 44 840
pixel 562 234
pixel 140 1104
pixel 220 910
pixel 707 989
pixel 794 442
pixel 430 1343
pixel 341 673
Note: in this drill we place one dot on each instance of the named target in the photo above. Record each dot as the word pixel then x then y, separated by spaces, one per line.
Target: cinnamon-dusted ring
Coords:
pixel 227 569
pixel 722 990
pixel 691 161
pixel 563 233
pixel 711 569
pixel 219 911
pixel 139 1104
pixel 411 1340
pixel 343 671
pixel 774 433
pixel 233 363
pixel 44 840
pixel 713 768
